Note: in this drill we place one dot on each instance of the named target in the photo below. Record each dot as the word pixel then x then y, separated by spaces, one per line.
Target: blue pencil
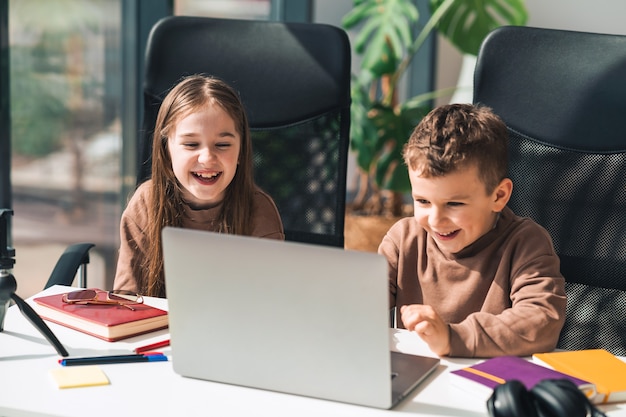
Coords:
pixel 102 360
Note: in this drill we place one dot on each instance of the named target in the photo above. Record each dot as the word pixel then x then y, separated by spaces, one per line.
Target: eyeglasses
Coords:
pixel 116 297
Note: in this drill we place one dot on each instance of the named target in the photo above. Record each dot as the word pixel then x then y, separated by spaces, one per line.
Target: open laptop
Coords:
pixel 289 317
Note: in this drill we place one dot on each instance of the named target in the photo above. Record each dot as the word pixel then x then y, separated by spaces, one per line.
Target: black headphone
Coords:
pixel 549 398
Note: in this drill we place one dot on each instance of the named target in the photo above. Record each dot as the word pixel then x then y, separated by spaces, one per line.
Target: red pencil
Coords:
pixel 149 347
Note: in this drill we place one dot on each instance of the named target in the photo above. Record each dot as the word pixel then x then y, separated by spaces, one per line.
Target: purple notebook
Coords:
pixel 492 372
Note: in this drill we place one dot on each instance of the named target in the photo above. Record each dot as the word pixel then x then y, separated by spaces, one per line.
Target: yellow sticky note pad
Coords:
pixel 79 376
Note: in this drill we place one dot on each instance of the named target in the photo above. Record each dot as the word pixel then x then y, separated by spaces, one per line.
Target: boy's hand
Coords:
pixel 423 320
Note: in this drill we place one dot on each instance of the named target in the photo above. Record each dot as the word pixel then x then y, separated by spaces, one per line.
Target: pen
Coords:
pixel 101 360
pixel 156 345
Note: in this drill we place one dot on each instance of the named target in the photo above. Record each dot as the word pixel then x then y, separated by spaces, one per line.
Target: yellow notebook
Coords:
pixel 599 366
pixel 79 376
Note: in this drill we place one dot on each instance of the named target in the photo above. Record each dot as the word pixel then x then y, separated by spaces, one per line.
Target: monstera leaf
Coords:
pixel 386 32
pixel 466 22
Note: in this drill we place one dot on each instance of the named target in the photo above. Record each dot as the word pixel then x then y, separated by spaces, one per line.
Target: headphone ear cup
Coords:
pixel 511 399
pixel 561 398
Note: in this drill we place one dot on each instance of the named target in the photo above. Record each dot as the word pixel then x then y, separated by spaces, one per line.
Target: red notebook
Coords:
pixel 107 322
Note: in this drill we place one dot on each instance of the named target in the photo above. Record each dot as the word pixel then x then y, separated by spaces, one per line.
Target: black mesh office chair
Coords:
pixel 294 80
pixel 72 261
pixel 563 96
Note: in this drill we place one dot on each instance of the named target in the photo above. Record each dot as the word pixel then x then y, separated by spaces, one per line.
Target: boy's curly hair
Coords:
pixel 456 135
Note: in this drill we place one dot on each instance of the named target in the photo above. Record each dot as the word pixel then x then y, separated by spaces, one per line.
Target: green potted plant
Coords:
pixel 388 39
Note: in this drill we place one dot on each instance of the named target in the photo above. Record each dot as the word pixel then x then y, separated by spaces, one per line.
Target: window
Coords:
pixel 65 134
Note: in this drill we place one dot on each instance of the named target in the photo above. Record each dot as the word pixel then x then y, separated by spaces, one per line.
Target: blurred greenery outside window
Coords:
pixel 65 95
pixel 66 134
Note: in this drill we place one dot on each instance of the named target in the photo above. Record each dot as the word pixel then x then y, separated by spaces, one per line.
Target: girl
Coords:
pixel 201 179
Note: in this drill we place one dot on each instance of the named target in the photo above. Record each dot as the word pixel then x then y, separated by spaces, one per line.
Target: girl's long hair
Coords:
pixel 166 202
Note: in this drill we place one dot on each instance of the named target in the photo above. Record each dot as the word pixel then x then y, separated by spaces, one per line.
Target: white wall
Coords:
pixel 600 16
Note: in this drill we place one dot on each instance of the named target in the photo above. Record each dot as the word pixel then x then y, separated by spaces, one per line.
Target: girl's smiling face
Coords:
pixel 204 147
pixel 455 209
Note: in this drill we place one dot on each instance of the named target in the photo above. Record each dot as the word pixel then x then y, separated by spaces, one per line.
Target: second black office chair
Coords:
pixel 563 96
pixel 73 261
pixel 294 80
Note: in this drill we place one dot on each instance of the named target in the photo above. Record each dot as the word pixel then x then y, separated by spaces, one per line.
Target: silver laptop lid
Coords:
pixel 282 316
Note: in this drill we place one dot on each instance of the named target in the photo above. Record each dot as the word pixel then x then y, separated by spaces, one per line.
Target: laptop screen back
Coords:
pixel 289 317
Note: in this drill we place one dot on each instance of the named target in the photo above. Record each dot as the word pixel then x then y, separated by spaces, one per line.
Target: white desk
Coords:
pixel 153 389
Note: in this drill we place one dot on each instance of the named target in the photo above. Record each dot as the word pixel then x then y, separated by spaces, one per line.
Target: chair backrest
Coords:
pixel 294 80
pixel 563 96
pixel 72 261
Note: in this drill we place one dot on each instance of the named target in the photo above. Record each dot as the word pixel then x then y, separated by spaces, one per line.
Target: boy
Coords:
pixel 470 277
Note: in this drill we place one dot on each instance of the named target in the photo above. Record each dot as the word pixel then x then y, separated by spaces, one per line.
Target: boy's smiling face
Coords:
pixel 455 209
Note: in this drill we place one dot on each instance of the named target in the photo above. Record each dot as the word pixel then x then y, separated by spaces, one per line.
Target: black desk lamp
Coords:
pixel 8 285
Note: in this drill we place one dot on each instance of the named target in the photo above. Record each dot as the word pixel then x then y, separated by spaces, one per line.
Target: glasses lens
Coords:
pixel 121 295
pixel 82 295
